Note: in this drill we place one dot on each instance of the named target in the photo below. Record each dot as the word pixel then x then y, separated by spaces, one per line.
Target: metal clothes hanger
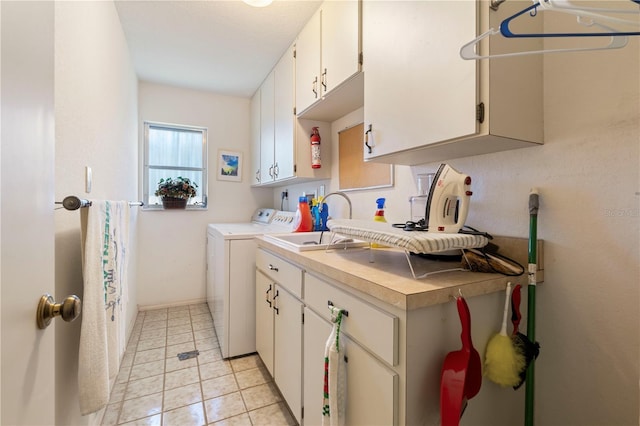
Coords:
pixel 582 14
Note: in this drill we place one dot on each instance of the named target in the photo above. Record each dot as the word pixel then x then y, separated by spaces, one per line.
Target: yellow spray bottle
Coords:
pixel 379 217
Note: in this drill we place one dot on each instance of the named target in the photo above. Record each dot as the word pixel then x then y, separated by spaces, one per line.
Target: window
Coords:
pixel 171 151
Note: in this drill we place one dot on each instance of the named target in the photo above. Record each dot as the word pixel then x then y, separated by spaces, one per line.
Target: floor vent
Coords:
pixel 187 355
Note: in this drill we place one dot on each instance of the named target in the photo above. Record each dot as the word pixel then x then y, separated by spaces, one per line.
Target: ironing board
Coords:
pixel 411 242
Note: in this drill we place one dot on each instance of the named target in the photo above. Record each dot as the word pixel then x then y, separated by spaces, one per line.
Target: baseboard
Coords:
pixel 142 308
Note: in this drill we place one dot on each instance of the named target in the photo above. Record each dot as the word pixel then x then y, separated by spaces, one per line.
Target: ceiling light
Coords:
pixel 258 3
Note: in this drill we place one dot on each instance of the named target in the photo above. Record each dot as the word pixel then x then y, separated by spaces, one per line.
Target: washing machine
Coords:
pixel 231 277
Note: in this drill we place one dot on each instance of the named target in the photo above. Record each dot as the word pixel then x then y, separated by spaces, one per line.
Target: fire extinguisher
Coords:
pixel 315 149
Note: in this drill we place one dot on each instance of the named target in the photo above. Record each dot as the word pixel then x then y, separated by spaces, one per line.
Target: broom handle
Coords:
pixel 531 304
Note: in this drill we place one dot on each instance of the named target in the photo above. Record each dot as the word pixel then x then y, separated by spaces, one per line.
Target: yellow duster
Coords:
pixel 504 360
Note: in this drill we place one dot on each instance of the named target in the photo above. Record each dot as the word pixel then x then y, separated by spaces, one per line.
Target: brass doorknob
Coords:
pixel 48 309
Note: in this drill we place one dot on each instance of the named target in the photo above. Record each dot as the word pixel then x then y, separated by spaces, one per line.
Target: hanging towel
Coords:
pixel 105 241
pixel 335 374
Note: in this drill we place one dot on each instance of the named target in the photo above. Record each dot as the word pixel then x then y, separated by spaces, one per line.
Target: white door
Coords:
pixel 27 201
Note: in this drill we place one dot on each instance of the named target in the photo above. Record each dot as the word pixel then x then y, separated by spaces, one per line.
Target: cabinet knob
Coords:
pixel 272 268
pixel 48 309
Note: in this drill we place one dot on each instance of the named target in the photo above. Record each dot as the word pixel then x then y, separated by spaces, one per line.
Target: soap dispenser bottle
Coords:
pixel 379 217
pixel 303 221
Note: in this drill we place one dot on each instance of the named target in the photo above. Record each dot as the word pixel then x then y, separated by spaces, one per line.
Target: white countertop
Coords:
pixel 388 278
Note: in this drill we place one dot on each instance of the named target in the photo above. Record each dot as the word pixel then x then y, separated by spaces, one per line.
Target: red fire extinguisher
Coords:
pixel 315 149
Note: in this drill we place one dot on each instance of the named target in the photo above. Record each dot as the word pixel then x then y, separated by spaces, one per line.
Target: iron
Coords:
pixel 448 202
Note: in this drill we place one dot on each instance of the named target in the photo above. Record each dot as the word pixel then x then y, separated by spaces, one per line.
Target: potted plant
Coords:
pixel 175 193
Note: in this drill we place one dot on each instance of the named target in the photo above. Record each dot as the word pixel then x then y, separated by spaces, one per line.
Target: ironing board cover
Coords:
pixel 414 242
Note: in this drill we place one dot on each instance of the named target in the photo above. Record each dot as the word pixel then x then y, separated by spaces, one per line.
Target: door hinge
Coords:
pixel 295 168
pixel 294 110
pixel 294 52
pixel 480 112
pixel 303 317
pixel 302 413
pixel 360 58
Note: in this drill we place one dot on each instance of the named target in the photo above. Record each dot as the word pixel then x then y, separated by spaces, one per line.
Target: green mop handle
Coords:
pixel 531 303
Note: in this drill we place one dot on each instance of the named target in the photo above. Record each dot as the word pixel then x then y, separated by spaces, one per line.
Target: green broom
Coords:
pixel 534 204
pixel 503 361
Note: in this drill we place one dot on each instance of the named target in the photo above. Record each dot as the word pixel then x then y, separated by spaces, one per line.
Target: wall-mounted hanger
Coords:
pixel 595 17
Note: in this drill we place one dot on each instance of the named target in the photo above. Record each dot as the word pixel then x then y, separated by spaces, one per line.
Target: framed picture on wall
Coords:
pixel 229 165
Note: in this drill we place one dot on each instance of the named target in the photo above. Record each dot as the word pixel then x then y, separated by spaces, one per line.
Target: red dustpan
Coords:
pixel 461 376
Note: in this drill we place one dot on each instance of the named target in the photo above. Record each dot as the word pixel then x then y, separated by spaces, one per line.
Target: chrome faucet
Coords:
pixel 343 195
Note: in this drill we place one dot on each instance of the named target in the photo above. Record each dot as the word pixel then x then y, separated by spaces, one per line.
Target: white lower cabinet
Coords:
pixel 288 349
pixel 264 319
pixel 279 326
pixel 291 333
pixel 372 388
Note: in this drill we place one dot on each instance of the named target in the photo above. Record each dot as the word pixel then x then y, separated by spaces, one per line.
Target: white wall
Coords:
pixel 96 126
pixel 588 176
pixel 172 262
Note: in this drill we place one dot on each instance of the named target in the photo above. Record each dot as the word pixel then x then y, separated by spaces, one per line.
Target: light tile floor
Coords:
pixel 154 387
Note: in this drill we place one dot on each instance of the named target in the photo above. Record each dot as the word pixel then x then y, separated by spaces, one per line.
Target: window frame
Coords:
pixel 203 187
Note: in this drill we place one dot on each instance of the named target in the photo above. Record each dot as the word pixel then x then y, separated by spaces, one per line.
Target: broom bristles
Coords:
pixel 504 361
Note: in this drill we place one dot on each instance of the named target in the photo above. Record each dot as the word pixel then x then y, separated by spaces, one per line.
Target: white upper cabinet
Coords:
pixel 308 64
pixel 424 103
pixel 267 135
pixel 281 148
pixel 418 90
pixel 328 58
pixel 340 43
pixel 255 138
pixel 284 117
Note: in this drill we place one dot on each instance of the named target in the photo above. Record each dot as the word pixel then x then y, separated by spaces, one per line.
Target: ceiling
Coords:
pixel 223 46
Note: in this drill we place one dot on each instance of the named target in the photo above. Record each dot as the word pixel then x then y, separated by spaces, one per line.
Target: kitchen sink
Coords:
pixel 307 241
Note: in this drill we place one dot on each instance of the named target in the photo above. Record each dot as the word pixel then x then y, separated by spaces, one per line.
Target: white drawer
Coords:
pixel 372 327
pixel 281 271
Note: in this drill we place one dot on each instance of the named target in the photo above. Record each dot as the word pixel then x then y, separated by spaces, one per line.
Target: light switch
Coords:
pixel 87 179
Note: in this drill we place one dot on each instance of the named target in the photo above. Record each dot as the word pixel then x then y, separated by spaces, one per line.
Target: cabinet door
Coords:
pixel 372 388
pixel 308 64
pixel 265 289
pixel 418 90
pixel 340 42
pixel 267 129
pixel 316 332
pixel 288 349
pixel 255 138
pixel 284 82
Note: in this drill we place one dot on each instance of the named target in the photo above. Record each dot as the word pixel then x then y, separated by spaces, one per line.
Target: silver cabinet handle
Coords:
pixel 267 296
pixel 323 81
pixel 48 309
pixel 275 307
pixel 314 87
pixel 272 268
